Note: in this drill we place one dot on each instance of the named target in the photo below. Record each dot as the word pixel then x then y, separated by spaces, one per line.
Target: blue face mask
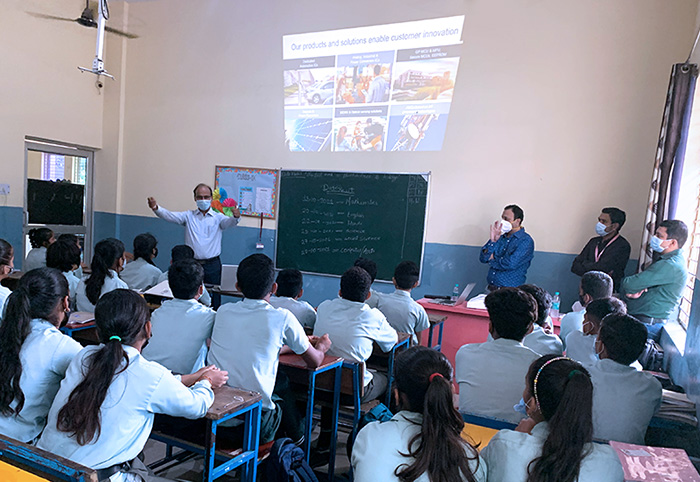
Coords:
pixel 521 407
pixel 655 244
pixel 600 229
pixel 203 204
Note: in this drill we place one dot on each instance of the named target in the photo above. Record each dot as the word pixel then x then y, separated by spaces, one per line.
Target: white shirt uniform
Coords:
pixel 303 311
pixel 543 343
pixel 134 397
pixel 491 377
pixel 353 327
pixel 624 400
pixel 112 282
pixel 581 347
pixel 202 231
pixel 373 299
pixel 379 445
pixel 403 313
pixel 4 294
pixel 180 327
pixel 246 342
pixel 45 356
pixel 36 258
pixel 73 282
pixel 571 322
pixel 140 275
pixel 509 453
pixel 205 299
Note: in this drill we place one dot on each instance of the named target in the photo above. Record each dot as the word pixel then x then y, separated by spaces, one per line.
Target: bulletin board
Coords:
pixel 254 190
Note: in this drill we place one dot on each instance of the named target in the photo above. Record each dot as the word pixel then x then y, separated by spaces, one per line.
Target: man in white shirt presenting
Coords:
pixel 203 231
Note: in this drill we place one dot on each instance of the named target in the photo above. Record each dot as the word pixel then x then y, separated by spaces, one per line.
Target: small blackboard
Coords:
pixel 55 202
pixel 329 219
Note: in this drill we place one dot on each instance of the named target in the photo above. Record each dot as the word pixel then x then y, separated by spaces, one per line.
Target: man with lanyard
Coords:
pixel 509 250
pixel 608 252
pixel 203 231
pixel 653 295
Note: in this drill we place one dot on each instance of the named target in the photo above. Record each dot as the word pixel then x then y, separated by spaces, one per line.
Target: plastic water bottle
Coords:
pixel 455 293
pixel 556 302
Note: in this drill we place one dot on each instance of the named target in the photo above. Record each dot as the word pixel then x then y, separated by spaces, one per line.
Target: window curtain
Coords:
pixel 668 164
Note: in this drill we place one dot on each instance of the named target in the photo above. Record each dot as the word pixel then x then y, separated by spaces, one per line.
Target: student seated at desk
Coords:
pixel 371 268
pixel 354 327
pixel 290 287
pixel 580 345
pixel 107 262
pixel 72 238
pixel 178 253
pixel 248 337
pixel 423 440
pixel 7 264
pixel 64 256
pixel 490 374
pixel 538 340
pixel 594 286
pixel 555 442
pixel 401 311
pixel 40 239
pixel 103 412
pixel 181 326
pixel 34 354
pixel 624 399
pixel 141 273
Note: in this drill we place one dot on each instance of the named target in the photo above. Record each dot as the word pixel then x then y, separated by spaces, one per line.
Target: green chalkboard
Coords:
pixel 329 219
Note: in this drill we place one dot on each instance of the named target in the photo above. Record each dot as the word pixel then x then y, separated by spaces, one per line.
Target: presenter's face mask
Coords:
pixel 506 227
pixel 203 204
pixel 600 229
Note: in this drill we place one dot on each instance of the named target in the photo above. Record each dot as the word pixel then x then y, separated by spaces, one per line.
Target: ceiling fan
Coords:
pixel 87 19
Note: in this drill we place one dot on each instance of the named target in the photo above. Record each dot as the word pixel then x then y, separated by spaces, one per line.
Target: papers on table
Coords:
pixel 162 289
pixel 80 317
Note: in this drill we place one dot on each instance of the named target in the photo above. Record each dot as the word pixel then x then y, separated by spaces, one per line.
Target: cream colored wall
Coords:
pixel 42 93
pixel 557 105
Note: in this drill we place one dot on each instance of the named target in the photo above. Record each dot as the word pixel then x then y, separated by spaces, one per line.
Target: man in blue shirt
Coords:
pixel 509 250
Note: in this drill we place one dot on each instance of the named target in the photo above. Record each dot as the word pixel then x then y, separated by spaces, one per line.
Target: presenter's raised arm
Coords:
pixel 161 212
pixel 231 221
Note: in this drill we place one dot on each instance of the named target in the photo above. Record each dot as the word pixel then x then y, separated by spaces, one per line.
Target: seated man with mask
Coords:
pixel 509 250
pixel 653 295
pixel 609 251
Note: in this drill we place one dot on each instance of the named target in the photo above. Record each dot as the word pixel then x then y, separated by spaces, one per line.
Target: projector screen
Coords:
pixel 379 88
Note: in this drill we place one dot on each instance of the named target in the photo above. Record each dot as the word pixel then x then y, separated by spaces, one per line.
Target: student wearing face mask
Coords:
pixel 509 250
pixel 608 251
pixel 203 231
pixel 653 295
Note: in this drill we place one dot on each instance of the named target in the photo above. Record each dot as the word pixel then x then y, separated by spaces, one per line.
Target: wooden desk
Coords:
pixel 380 358
pixel 228 403
pixel 233 293
pixel 436 321
pixel 299 372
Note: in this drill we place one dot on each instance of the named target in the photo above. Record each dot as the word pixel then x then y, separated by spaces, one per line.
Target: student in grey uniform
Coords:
pixel 141 273
pixel 107 262
pixel 422 442
pixel 594 285
pixel 103 413
pixel 290 287
pixel 34 354
pixel 624 399
pixel 401 311
pixel 7 264
pixel 555 442
pixel 181 326
pixel 178 253
pixel 538 340
pixel 40 239
pixel 371 268
pixel 64 256
pixel 580 345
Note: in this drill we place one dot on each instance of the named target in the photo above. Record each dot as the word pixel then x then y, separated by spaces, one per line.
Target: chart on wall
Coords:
pixel 377 88
pixel 253 191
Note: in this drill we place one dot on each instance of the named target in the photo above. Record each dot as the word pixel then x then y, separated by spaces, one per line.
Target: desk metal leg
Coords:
pixel 438 347
pixel 251 442
pixel 209 451
pixel 390 377
pixel 309 415
pixel 334 433
pixel 430 336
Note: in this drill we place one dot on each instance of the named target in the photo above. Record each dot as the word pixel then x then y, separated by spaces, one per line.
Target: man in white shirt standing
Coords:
pixel 203 232
pixel 491 374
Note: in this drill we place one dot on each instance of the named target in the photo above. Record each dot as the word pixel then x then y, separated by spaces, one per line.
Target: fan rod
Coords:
pixel 98 63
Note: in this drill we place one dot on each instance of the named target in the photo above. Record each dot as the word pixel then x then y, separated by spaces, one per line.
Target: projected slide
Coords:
pixel 379 88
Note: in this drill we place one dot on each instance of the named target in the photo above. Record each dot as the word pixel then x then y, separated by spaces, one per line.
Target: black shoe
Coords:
pixel 319 457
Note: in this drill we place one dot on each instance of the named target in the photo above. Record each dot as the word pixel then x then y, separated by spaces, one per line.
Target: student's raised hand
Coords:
pixel 323 343
pixel 526 425
pixel 152 203
pixel 495 231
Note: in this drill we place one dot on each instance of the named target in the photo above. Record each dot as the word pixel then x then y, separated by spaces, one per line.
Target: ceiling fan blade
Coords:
pixel 120 33
pixel 51 17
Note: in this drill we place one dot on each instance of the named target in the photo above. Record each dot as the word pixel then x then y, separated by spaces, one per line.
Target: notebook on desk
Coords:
pixel 462 298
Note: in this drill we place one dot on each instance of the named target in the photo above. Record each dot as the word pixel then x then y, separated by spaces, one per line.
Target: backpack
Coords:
pixel 287 463
pixel 652 358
